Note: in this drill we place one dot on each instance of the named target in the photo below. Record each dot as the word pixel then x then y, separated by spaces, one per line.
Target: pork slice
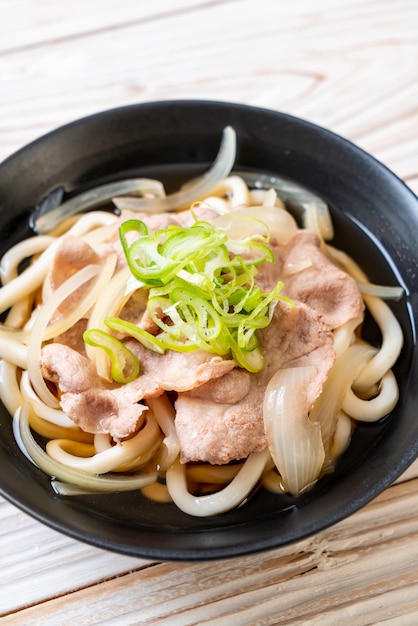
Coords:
pixel 159 221
pixel 103 411
pixel 68 369
pixel 309 276
pixel 178 371
pixel 71 256
pixel 73 337
pixel 98 406
pixel 222 420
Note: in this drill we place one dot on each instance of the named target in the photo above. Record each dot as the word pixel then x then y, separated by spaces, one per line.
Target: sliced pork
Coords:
pixel 310 277
pixel 219 406
pixel 222 420
pixel 98 406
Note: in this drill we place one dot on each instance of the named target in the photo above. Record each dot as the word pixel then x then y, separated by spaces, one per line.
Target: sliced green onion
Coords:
pixel 201 288
pixel 141 335
pixel 124 364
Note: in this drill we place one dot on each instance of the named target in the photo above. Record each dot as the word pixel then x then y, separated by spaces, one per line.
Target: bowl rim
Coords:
pixel 218 543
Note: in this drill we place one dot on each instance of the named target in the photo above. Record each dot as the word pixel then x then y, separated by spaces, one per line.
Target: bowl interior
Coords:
pixel 375 218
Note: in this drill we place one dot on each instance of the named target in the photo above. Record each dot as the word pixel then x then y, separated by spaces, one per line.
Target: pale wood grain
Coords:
pixel 362 570
pixel 315 63
pixel 350 66
pixel 39 563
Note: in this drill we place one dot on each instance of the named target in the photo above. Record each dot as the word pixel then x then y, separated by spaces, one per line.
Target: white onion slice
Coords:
pixel 340 378
pixel 93 198
pixel 258 220
pixel 221 167
pixel 386 292
pixel 41 322
pixel 165 415
pixel 294 440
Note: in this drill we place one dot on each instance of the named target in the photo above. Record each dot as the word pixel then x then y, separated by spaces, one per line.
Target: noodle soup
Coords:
pixel 260 316
pixel 274 151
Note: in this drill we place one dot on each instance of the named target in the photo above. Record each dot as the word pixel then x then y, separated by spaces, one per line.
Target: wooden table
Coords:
pixel 351 66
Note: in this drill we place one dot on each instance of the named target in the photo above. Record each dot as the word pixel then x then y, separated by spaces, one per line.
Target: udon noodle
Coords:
pixel 302 445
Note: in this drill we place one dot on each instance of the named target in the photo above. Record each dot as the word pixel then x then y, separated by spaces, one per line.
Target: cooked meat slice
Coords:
pixel 94 404
pixel 178 371
pixel 73 337
pixel 222 420
pixel 102 411
pixel 310 277
pixel 72 255
pixel 68 369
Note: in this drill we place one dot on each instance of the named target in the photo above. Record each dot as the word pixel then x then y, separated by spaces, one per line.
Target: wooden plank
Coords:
pixel 363 567
pixel 308 63
pixel 59 564
pixel 39 563
pixel 25 23
pixel 350 66
pixel 50 551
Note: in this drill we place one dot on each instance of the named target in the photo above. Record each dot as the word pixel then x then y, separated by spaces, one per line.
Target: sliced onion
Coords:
pixel 165 415
pixel 191 193
pixel 258 220
pixel 41 322
pixel 85 481
pixel 318 220
pixel 340 378
pixel 294 440
pixel 45 223
pixel 386 292
pixel 296 198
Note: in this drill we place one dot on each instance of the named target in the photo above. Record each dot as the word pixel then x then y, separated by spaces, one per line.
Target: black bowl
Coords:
pixel 376 221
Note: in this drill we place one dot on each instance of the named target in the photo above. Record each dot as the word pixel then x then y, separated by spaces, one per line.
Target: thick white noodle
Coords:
pixel 392 336
pixel 377 407
pixel 46 412
pixel 11 349
pixel 392 342
pixel 111 458
pixel 29 280
pixel 342 436
pixel 344 335
pixel 22 250
pixel 165 415
pixel 228 498
pixel 9 387
pixel 233 190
